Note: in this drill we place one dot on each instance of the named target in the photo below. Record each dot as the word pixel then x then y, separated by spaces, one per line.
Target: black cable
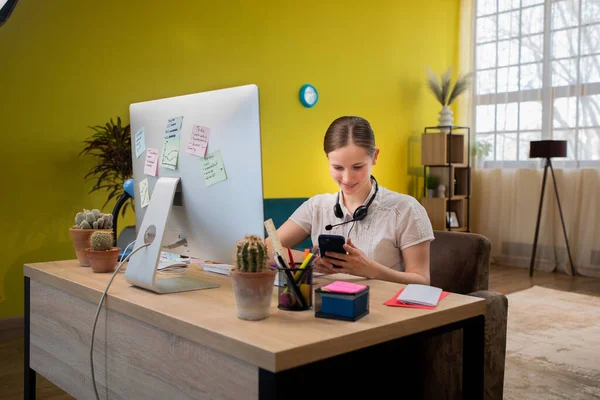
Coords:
pixel 350 231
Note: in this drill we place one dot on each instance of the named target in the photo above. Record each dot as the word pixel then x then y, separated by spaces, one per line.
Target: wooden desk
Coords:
pixel 192 345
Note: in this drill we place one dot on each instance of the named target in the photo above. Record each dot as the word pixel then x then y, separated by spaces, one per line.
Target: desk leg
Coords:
pixel 29 374
pixel 473 345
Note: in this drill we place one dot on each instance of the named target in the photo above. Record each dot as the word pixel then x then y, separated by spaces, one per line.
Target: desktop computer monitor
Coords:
pixel 208 214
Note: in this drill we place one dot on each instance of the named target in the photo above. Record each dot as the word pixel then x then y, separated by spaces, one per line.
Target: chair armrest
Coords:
pixel 496 316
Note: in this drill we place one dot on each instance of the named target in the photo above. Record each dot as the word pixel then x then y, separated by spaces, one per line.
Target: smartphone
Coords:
pixel 333 243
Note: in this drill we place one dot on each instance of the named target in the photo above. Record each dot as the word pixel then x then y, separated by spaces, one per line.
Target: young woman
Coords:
pixel 390 243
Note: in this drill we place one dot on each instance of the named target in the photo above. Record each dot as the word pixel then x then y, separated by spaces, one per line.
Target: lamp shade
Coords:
pixel 547 148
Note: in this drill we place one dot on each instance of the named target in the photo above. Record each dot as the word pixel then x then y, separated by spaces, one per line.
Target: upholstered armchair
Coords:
pixel 460 263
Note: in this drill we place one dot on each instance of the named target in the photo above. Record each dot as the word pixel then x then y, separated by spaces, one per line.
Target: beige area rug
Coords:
pixel 553 345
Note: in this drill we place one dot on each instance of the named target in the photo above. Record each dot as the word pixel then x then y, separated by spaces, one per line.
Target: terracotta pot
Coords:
pixel 103 260
pixel 253 292
pixel 82 239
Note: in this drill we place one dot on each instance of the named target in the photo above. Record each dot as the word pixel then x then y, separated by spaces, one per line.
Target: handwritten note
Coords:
pixel 213 168
pixel 173 128
pixel 151 166
pixel 144 193
pixel 170 153
pixel 140 142
pixel 198 141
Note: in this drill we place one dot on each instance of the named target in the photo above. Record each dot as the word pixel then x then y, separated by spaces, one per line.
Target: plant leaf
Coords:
pixel 434 85
pixel 446 80
pixel 462 84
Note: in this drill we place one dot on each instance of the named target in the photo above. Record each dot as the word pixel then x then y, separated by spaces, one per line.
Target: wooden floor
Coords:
pixel 502 279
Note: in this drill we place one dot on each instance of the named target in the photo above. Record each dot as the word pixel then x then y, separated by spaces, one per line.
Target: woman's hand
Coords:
pixel 322 266
pixel 355 262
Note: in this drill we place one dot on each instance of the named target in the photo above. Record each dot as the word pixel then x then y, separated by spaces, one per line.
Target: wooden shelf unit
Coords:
pixel 445 155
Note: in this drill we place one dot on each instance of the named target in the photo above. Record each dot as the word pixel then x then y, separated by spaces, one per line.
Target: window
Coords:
pixel 537 77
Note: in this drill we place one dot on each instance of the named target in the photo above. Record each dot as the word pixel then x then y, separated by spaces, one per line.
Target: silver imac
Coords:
pixel 188 213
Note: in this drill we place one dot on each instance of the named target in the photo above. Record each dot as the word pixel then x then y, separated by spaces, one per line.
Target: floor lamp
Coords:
pixel 548 149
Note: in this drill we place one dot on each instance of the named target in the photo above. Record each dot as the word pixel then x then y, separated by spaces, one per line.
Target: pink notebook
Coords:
pixel 343 287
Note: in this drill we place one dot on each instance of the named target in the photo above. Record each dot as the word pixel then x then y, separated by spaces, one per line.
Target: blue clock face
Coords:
pixel 308 95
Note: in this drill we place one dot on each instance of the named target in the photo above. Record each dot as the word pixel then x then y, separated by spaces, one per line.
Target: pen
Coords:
pixel 305 263
pixel 292 263
pixel 291 280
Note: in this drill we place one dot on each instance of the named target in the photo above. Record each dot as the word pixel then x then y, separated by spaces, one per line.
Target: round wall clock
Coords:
pixel 308 95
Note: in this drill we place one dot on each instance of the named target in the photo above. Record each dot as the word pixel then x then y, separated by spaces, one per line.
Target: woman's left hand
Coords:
pixel 355 262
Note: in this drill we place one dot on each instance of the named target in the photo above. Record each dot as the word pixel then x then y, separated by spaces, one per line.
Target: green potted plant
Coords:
pixel 479 151
pixel 252 280
pixel 102 254
pixel 87 222
pixel 431 183
pixel 111 146
pixel 445 94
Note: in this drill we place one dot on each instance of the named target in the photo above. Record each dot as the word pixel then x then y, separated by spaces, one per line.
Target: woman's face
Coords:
pixel 350 166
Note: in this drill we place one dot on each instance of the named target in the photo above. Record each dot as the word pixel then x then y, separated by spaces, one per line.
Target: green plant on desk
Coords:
pixel 252 280
pixel 102 255
pixel 251 255
pixel 87 222
pixel 93 219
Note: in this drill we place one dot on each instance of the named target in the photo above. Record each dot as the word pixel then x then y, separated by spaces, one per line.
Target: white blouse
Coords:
pixel 394 222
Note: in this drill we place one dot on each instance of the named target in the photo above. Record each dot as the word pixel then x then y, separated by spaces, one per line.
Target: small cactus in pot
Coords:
pixel 252 279
pixel 251 255
pixel 93 219
pixel 86 223
pixel 102 254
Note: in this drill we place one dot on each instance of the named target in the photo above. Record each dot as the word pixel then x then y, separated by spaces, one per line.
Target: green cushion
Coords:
pixel 279 210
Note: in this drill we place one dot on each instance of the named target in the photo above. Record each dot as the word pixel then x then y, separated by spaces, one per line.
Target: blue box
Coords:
pixel 342 306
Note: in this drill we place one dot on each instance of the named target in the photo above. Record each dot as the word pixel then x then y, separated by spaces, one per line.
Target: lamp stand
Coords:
pixel 537 226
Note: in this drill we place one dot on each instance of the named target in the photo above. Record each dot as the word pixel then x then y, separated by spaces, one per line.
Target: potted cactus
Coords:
pixel 86 223
pixel 252 279
pixel 102 254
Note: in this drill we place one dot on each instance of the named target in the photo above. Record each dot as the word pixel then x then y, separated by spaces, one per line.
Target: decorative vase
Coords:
pixel 431 193
pixel 103 261
pixel 253 292
pixel 82 239
pixel 441 191
pixel 445 119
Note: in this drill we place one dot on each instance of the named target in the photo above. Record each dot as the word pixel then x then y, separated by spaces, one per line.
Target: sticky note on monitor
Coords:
pixel 144 193
pixel 198 143
pixel 173 128
pixel 151 165
pixel 170 153
pixel 213 168
pixel 140 142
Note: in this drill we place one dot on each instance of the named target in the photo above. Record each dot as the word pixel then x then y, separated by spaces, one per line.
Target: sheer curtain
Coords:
pixel 537 77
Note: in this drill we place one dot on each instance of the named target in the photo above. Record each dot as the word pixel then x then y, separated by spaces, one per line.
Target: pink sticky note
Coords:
pixel 343 287
pixel 151 167
pixel 198 141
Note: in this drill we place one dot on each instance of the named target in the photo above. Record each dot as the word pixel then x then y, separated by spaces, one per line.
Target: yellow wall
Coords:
pixel 70 64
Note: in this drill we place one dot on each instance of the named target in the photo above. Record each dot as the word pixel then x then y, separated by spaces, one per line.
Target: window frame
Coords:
pixel 547 94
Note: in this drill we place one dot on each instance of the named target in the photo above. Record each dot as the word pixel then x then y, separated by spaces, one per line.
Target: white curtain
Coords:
pixel 537 77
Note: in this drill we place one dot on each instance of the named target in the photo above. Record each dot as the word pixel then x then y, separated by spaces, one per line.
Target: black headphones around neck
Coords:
pixel 361 212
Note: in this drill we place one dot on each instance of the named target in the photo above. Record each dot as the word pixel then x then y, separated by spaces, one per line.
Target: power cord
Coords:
pixel 100 307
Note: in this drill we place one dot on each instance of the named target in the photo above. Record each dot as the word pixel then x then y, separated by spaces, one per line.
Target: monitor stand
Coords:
pixel 142 268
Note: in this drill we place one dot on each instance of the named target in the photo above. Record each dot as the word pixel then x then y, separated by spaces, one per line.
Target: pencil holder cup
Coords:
pixel 296 289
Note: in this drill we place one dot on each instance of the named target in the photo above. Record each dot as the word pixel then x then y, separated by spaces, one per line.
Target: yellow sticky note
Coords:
pixel 170 154
pixel 213 168
pixel 144 193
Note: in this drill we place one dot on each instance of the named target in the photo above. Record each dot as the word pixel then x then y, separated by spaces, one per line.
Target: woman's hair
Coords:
pixel 344 130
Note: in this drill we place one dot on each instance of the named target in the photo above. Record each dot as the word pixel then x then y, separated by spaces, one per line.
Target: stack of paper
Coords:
pixel 420 294
pixel 222 269
pixel 343 287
